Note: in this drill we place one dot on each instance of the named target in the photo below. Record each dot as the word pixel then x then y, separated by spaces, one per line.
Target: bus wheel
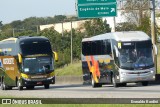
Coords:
pixel 99 85
pixel 19 85
pixel 3 86
pixel 94 85
pixel 114 82
pixel 46 86
pixel 145 83
pixel 123 84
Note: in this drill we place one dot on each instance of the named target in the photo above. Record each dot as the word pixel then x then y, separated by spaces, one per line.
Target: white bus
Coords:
pixel 118 58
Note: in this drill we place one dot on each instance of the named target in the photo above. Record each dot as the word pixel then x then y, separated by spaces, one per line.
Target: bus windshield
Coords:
pixel 37 65
pixel 137 55
pixel 36 48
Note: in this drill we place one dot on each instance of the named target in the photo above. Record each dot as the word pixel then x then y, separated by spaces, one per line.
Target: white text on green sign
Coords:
pixel 92 11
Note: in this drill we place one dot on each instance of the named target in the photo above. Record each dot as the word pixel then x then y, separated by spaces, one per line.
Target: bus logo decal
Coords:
pixel 8 61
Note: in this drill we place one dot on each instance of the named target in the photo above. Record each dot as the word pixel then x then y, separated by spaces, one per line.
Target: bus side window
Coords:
pixel 99 48
pixel 1 54
pixel 84 52
pixel 86 48
pixel 94 48
pixel 107 49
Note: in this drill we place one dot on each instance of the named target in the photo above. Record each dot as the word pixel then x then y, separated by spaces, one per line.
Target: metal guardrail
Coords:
pixel 69 79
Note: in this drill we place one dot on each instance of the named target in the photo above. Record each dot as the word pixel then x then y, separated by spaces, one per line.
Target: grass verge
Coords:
pixel 74 69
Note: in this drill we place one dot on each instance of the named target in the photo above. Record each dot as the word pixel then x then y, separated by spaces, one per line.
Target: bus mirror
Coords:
pixel 155 49
pixel 116 50
pixel 55 56
pixel 19 58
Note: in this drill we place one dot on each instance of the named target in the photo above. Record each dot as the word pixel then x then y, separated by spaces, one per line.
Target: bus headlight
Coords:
pixel 152 72
pixel 154 77
pixel 25 77
pixel 50 78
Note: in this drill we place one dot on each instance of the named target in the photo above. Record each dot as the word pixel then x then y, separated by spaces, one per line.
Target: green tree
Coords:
pixel 145 26
pixel 7 30
pixel 17 24
pixel 95 27
pixel 53 36
pixel 77 39
pixel 136 10
pixel 26 33
pixel 1 24
pixel 59 18
pixel 126 26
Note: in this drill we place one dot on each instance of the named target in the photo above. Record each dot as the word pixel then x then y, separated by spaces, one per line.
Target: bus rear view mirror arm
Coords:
pixel 20 58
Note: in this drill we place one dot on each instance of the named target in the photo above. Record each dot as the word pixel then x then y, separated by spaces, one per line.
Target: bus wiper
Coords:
pixel 127 68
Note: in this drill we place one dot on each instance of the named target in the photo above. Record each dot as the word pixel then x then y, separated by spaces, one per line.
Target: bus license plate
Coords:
pixel 39 83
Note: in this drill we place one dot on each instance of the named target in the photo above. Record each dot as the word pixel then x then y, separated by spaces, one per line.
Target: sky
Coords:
pixel 11 10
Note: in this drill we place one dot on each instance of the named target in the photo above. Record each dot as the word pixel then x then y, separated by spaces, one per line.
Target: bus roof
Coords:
pixel 9 39
pixel 121 36
pixel 22 38
pixel 32 38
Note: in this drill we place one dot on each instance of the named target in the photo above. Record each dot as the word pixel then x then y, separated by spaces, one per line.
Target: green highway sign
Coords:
pixel 93 11
pixel 95 1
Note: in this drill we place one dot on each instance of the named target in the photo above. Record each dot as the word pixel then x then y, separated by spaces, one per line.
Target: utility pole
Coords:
pixel 114 24
pixel 37 29
pixel 13 32
pixel 152 2
pixel 71 42
pixel 62 29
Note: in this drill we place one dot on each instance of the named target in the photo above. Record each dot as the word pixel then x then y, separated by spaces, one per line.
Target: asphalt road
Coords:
pixel 86 91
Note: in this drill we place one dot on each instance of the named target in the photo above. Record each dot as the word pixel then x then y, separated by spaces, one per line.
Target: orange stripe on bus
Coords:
pixel 94 68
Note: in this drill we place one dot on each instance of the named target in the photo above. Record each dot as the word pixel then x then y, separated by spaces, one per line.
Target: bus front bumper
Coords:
pixel 38 82
pixel 137 78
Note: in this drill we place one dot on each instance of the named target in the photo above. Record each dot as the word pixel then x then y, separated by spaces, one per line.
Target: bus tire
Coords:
pixel 123 84
pixel 46 86
pixel 19 86
pixel 145 83
pixel 3 86
pixel 94 85
pixel 114 82
pixel 99 85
